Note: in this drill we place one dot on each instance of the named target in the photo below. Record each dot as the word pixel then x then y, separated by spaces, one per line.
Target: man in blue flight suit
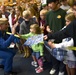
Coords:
pixel 6 53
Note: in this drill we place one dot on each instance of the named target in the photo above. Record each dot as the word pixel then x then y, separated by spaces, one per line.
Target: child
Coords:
pixel 24 29
pixel 19 19
pixel 71 59
pixel 42 21
pixel 37 48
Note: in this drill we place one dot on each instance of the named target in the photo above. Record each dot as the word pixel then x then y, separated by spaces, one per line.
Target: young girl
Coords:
pixel 42 21
pixel 70 58
pixel 19 19
pixel 37 48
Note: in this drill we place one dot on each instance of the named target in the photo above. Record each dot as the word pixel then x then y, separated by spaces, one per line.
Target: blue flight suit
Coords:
pixel 6 53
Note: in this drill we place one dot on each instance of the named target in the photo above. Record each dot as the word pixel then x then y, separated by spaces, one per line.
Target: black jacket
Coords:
pixel 69 31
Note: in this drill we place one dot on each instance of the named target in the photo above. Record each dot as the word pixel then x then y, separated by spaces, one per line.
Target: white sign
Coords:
pixel 34 40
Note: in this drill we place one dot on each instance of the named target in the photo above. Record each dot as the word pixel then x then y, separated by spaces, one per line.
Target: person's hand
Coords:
pixel 45 37
pixel 48 29
pixel 41 54
pixel 14 28
pixel 51 44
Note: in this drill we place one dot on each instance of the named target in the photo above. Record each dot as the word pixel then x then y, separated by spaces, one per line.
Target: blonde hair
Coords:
pixel 70 17
pixel 19 9
pixel 34 10
pixel 26 13
pixel 44 12
pixel 36 28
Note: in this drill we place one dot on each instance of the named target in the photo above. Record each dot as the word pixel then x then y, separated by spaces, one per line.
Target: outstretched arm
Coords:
pixel 67 32
pixel 5 44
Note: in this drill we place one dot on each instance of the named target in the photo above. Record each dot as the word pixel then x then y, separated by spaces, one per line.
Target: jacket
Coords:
pixel 69 31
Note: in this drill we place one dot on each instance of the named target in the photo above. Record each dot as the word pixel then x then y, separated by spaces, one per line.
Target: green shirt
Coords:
pixel 56 19
pixel 35 47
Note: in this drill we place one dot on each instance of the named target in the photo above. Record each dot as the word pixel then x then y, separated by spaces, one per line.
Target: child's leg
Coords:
pixel 68 70
pixel 40 68
pixel 26 51
pixel 34 62
pixel 39 59
pixel 40 63
pixel 34 58
pixel 72 67
pixel 72 71
pixel 19 46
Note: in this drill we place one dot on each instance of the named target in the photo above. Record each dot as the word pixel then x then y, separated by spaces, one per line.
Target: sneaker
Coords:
pixel 61 73
pixel 39 70
pixel 52 71
pixel 33 63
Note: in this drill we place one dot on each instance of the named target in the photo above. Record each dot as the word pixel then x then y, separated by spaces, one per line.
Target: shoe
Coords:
pixel 39 70
pixel 2 66
pixel 11 73
pixel 52 71
pixel 33 63
pixel 61 73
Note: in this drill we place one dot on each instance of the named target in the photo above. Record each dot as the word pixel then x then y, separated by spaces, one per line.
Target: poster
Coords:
pixel 34 40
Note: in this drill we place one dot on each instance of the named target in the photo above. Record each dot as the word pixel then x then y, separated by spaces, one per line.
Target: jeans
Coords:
pixel 7 58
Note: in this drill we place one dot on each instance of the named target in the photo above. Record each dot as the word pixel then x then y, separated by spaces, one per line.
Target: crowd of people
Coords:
pixel 56 20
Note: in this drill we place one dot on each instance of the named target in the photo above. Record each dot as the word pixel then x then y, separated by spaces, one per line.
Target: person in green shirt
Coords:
pixel 55 18
pixel 37 48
